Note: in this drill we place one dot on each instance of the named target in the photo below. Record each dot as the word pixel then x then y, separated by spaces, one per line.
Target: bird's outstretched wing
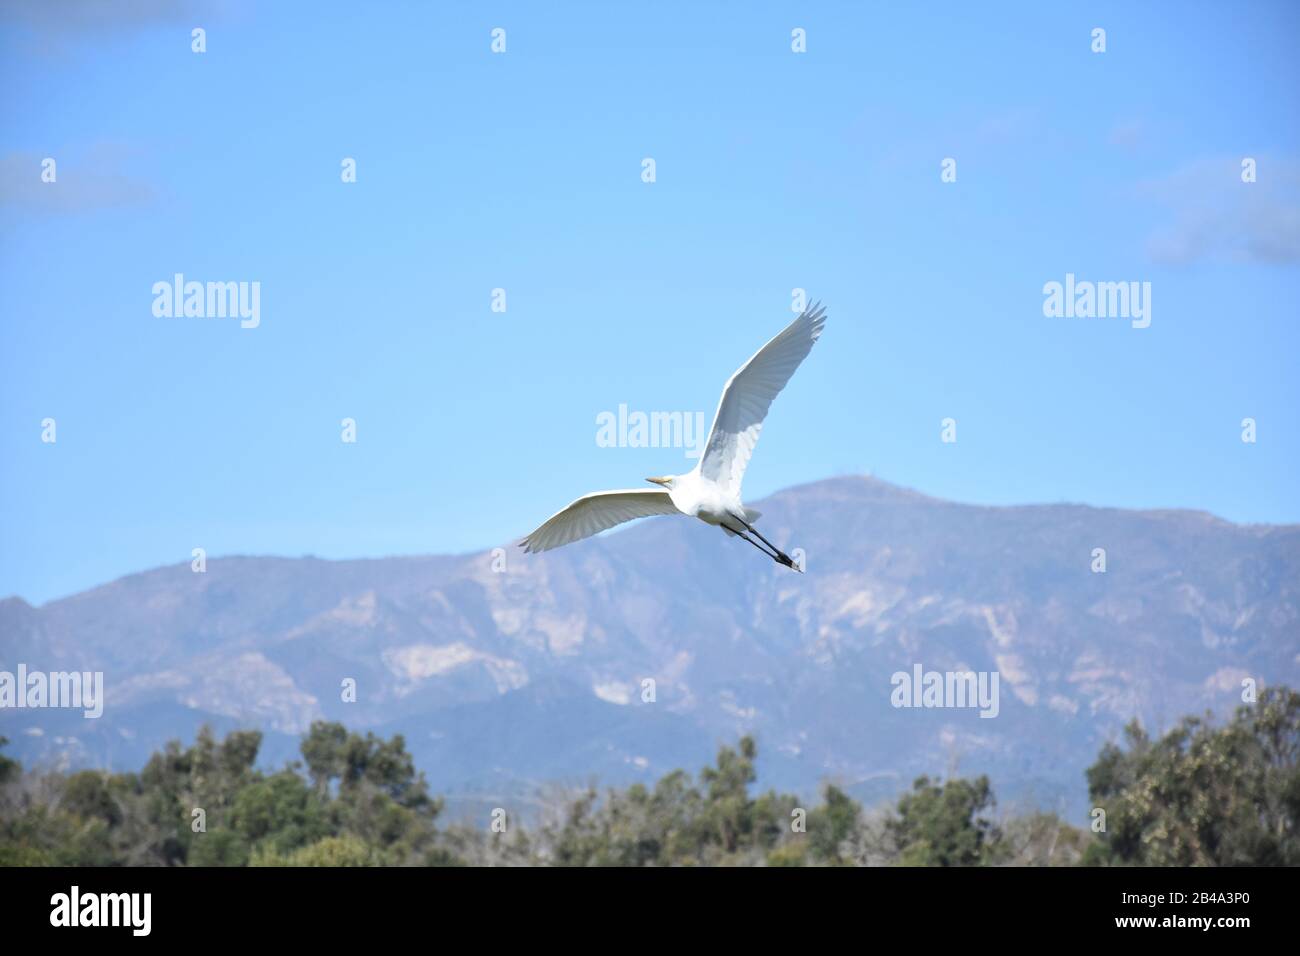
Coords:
pixel 595 512
pixel 748 395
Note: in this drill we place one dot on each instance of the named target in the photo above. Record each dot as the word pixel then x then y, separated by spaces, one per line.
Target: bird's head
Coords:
pixel 666 480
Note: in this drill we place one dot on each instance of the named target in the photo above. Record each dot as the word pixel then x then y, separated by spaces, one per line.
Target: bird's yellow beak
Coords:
pixel 660 481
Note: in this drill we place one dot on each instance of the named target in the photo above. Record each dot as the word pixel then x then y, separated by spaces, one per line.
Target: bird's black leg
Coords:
pixel 745 537
pixel 780 556
pixel 740 534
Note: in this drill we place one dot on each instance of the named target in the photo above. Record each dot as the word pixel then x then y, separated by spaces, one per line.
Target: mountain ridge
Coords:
pixel 440 646
pixel 791 489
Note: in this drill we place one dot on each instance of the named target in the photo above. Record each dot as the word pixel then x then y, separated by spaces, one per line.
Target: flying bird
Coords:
pixel 711 490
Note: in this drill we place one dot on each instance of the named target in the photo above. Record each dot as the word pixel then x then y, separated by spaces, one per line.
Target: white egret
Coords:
pixel 711 490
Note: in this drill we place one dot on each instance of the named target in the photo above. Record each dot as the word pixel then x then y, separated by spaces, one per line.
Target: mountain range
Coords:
pixel 629 655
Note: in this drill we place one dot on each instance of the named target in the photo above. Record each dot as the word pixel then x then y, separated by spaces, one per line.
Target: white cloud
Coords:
pixel 96 178
pixel 1217 217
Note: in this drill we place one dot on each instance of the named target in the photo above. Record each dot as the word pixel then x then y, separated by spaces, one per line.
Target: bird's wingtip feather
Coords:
pixel 817 319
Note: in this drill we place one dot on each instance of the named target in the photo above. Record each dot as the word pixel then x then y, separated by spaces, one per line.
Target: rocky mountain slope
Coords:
pixel 504 677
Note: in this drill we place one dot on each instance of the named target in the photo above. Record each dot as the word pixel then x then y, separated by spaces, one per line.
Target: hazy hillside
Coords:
pixel 503 679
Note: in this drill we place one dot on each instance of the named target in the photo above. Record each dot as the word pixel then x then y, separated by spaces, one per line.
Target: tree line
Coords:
pixel 1200 794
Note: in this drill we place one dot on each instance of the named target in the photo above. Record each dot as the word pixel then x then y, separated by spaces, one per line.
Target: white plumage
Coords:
pixel 711 491
pixel 593 513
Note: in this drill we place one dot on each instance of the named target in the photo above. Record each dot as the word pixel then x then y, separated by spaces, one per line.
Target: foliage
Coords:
pixel 1202 795
pixel 361 803
pixel 945 825
pixel 1198 795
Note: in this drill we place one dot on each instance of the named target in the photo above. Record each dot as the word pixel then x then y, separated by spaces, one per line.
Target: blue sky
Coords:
pixel 522 171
